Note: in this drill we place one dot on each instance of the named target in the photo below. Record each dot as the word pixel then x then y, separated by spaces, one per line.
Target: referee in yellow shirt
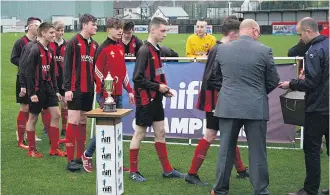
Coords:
pixel 199 44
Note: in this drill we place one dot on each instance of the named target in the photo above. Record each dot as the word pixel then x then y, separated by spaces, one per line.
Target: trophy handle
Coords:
pixel 116 79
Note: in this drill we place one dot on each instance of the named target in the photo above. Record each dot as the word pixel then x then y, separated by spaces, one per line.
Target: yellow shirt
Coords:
pixel 197 46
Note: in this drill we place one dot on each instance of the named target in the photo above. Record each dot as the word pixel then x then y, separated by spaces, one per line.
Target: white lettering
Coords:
pixel 178 126
pixel 45 67
pixel 87 58
pixel 59 58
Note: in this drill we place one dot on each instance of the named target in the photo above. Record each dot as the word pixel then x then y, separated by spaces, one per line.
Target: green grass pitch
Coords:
pixel 21 175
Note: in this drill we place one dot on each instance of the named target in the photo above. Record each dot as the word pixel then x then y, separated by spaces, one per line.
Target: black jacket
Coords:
pixel 298 50
pixel 316 82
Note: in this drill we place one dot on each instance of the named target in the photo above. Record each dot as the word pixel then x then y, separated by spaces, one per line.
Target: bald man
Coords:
pixel 315 83
pixel 249 75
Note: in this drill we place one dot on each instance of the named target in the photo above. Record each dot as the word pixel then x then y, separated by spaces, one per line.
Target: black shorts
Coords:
pixel 212 122
pixel 146 115
pixel 47 98
pixel 81 101
pixel 20 100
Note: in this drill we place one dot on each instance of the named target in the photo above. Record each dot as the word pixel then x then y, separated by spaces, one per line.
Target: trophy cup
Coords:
pixel 109 104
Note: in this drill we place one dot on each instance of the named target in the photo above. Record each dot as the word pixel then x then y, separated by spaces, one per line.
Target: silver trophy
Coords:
pixel 109 104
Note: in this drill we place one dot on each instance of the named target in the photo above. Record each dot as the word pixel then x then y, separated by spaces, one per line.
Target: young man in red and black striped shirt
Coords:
pixel 150 86
pixel 109 59
pixel 21 97
pixel 58 46
pixel 130 42
pixel 79 67
pixel 207 100
pixel 42 89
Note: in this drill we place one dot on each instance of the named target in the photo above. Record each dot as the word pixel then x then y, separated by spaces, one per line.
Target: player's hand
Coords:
pixel 169 93
pixel 163 88
pixel 301 74
pixel 34 98
pixel 59 96
pixel 68 96
pixel 131 98
pixel 23 92
pixel 284 85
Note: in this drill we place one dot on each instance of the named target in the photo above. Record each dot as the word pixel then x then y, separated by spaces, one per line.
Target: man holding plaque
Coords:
pixel 150 86
pixel 110 69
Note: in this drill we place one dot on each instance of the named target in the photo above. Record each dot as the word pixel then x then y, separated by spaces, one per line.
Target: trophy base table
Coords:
pixel 109 150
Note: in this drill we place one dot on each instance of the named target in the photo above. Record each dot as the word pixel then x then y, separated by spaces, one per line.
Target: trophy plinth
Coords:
pixel 109 104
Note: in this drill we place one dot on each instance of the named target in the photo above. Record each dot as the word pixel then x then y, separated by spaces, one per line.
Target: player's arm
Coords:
pixel 16 53
pixel 23 66
pixel 138 45
pixel 141 64
pixel 32 61
pixel 126 83
pixel 100 64
pixel 68 61
pixel 189 48
pixel 53 73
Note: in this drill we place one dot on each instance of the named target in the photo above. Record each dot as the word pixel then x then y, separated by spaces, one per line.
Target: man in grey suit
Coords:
pixel 249 74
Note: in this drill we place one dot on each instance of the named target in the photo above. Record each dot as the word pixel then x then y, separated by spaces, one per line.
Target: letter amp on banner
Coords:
pixel 182 120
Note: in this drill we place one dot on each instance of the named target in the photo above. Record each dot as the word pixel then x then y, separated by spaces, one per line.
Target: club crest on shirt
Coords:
pixel 206 45
pixel 112 54
pixel 79 44
pixel 133 44
pixel 94 46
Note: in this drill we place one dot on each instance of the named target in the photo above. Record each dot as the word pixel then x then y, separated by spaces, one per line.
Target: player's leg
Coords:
pixel 74 112
pixel 239 165
pixel 160 143
pixel 142 120
pixel 55 132
pixel 87 105
pixel 23 115
pixel 46 117
pixel 212 126
pixel 34 109
pixel 64 115
pixel 22 118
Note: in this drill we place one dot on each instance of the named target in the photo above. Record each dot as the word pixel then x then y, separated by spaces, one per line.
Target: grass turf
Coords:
pixel 26 176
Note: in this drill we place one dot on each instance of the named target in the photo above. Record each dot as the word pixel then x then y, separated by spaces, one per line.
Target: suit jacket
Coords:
pixel 249 74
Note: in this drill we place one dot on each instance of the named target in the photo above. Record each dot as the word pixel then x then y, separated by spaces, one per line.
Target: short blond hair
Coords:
pixel 58 25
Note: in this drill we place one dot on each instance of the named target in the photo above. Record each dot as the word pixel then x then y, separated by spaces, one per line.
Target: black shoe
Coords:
pixel 136 176
pixel 174 174
pixel 79 161
pixel 73 166
pixel 194 179
pixel 326 191
pixel 63 132
pixel 243 174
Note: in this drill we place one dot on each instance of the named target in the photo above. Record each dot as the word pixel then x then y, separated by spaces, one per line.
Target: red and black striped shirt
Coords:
pixel 211 83
pixel 79 64
pixel 23 63
pixel 17 50
pixel 132 47
pixel 148 74
pixel 40 68
pixel 59 59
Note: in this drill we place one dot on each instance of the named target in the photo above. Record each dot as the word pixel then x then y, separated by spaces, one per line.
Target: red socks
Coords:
pixel 238 161
pixel 55 136
pixel 70 140
pixel 162 155
pixel 45 115
pixel 133 160
pixel 31 136
pixel 64 115
pixel 199 156
pixel 81 140
pixel 22 119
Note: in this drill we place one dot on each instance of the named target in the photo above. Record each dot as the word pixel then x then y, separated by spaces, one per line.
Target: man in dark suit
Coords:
pixel 249 74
